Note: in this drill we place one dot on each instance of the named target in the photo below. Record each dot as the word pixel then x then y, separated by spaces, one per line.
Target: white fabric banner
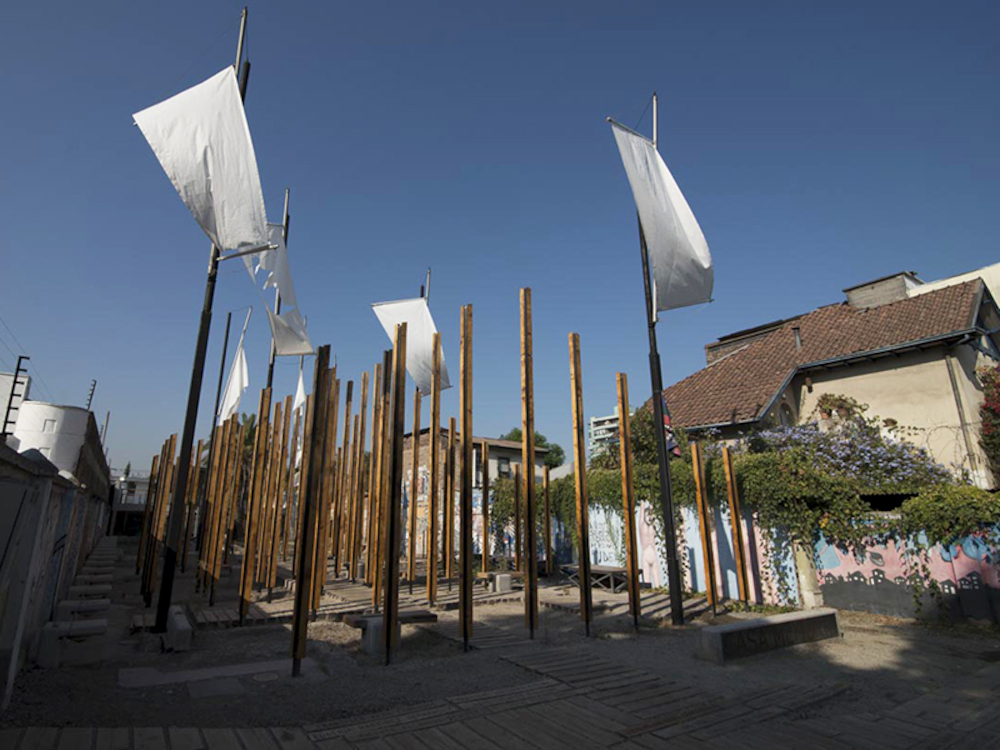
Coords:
pixel 420 332
pixel 678 253
pixel 202 141
pixel 239 379
pixel 300 392
pixel 288 328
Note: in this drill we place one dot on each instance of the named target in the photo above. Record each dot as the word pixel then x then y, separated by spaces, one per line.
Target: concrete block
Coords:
pixel 87 591
pixel 85 579
pixel 179 630
pixel 502 583
pixel 50 644
pixel 372 641
pixel 70 607
pixel 721 643
pixel 85 628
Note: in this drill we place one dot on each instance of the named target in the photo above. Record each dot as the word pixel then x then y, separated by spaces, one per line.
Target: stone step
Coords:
pixel 69 607
pixel 89 590
pixel 85 579
pixel 53 633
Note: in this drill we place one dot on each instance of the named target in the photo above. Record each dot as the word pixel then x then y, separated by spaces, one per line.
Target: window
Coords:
pixel 503 467
pixel 49 425
pixel 786 416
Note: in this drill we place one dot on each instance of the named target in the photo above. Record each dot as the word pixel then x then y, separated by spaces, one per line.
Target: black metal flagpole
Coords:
pixel 662 454
pixel 194 395
pixel 277 295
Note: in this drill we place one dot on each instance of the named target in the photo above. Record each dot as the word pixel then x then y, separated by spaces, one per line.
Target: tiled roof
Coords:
pixel 739 387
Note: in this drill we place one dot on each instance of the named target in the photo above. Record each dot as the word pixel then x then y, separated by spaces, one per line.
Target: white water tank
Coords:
pixel 57 432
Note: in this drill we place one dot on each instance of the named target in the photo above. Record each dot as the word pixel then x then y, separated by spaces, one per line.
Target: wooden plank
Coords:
pixel 736 514
pixel 411 554
pixel 390 606
pixel 465 515
pixel 186 738
pixel 149 738
pixel 580 470
pixel 253 511
pixel 221 739
pixel 118 738
pixel 316 429
pixel 494 733
pixel 628 499
pixel 433 458
pixel 704 523
pixel 484 453
pixel 530 555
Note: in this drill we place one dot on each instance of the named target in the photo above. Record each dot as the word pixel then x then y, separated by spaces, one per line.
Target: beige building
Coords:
pixel 910 356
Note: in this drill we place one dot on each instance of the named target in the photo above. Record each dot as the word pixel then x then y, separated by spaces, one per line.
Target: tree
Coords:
pixel 556 455
pixel 128 469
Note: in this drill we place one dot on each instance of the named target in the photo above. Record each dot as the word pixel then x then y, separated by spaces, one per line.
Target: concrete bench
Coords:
pixel 66 609
pixel 721 643
pixel 53 633
pixel 371 627
pixel 89 590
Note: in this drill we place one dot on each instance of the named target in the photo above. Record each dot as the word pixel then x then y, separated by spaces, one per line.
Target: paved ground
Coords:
pixel 885 684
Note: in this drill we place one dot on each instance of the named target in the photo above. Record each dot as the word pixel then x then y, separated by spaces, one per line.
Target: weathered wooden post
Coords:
pixel 147 512
pixel 736 514
pixel 390 606
pixel 192 497
pixel 580 469
pixel 528 462
pixel 254 501
pixel 517 518
pixel 704 523
pixel 411 555
pixel 628 499
pixel 465 520
pixel 316 429
pixel 290 483
pixel 484 452
pixel 433 459
pixel 374 468
pixel 449 505
pixel 383 477
pixel 547 527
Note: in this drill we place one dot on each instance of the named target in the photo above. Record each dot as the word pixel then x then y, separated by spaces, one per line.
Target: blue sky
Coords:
pixel 819 145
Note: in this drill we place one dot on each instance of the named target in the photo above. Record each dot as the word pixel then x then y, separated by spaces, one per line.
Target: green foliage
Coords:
pixel 989 412
pixel 556 455
pixel 948 513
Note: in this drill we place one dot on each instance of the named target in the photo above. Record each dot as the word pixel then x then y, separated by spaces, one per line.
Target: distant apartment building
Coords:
pixel 602 433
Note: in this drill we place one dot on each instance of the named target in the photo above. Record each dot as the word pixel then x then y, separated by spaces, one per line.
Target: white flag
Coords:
pixel 288 328
pixel 300 392
pixel 239 379
pixel 678 253
pixel 420 332
pixel 202 141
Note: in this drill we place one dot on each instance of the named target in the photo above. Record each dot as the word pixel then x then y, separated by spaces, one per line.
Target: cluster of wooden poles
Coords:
pixel 340 505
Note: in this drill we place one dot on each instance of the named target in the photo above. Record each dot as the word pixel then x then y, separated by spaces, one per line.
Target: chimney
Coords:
pixel 798 337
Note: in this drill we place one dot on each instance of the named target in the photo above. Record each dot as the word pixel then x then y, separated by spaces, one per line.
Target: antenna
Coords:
pixel 90 396
pixel 425 290
pixel 656 118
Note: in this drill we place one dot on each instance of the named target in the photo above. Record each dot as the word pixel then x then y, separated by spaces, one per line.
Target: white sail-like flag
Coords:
pixel 239 379
pixel 202 141
pixel 678 253
pixel 420 332
pixel 300 392
pixel 288 328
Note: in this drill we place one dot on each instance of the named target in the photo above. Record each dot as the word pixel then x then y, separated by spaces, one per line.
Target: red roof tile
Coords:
pixel 739 387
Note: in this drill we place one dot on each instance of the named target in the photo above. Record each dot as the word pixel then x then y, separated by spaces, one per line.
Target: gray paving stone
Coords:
pixel 221 739
pixel 118 738
pixel 149 738
pixel 186 738
pixel 39 738
pixel 76 738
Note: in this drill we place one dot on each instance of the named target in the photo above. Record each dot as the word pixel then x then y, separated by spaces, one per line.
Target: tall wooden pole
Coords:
pixel 484 452
pixel 194 396
pixel 316 429
pixel 393 524
pixel 580 469
pixel 465 519
pixel 736 514
pixel 518 534
pixel 286 220
pixel 411 555
pixel 528 462
pixel 385 467
pixel 449 504
pixel 253 502
pixel 433 459
pixel 704 523
pixel 547 528
pixel 202 504
pixel 628 499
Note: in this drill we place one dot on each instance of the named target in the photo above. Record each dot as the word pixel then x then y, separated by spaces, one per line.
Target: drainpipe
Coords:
pixel 949 359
